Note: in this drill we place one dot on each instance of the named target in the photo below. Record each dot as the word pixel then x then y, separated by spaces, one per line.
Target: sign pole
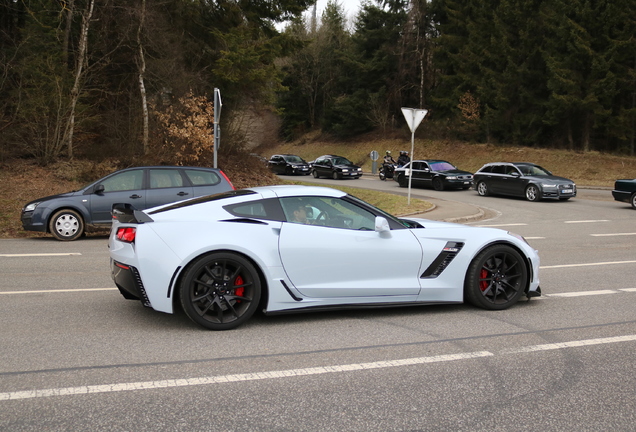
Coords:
pixel 217 129
pixel 413 118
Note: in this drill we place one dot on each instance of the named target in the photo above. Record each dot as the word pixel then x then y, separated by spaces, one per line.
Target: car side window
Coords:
pixel 268 209
pixel 125 181
pixel 499 169
pixel 327 212
pixel 164 178
pixel 203 178
pixel 487 169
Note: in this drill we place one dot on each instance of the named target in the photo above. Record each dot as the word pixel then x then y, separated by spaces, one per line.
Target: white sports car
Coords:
pixel 298 248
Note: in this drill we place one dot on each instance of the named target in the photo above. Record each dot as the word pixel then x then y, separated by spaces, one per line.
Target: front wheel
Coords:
pixel 482 188
pixel 496 278
pixel 66 225
pixel 220 291
pixel 335 176
pixel 532 193
pixel 438 185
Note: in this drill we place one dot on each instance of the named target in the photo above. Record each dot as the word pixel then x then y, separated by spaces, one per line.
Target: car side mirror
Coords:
pixel 99 189
pixel 515 174
pixel 426 170
pixel 381 224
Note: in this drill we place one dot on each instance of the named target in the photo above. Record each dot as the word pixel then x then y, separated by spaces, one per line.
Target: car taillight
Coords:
pixel 228 180
pixel 126 234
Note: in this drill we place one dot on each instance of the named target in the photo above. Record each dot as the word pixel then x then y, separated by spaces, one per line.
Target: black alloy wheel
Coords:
pixel 66 225
pixel 438 185
pixel 220 291
pixel 533 193
pixel 496 278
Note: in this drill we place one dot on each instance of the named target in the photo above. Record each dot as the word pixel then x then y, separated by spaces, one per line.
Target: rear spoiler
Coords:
pixel 126 213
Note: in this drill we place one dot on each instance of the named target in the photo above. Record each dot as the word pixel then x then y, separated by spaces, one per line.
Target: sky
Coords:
pixel 351 7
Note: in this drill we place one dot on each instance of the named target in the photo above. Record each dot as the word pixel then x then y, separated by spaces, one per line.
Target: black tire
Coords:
pixel 496 278
pixel 533 193
pixel 382 175
pixel 66 225
pixel 336 176
pixel 220 291
pixel 482 189
pixel 633 201
pixel 438 185
pixel 315 174
pixel 402 181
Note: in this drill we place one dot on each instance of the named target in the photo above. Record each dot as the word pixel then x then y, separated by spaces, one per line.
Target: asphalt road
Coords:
pixel 74 355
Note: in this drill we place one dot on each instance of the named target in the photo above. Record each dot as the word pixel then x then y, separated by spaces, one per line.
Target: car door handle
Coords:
pixel 135 196
pixel 183 193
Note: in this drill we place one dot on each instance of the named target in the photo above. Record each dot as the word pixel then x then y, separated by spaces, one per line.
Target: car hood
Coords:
pixel 50 197
pixel 347 166
pixel 456 172
pixel 550 179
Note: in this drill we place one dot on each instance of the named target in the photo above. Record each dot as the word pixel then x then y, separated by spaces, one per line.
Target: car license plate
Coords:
pixel 566 191
pixel 466 182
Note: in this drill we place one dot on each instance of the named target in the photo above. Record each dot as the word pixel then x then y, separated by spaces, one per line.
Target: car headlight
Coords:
pixel 31 207
pixel 345 170
pixel 451 178
pixel 359 169
pixel 549 185
pixel 519 237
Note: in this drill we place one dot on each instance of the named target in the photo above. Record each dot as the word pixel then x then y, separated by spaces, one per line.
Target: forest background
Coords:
pixel 134 80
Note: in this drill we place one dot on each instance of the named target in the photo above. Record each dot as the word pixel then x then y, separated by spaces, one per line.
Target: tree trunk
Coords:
pixel 142 71
pixel 67 32
pixel 75 91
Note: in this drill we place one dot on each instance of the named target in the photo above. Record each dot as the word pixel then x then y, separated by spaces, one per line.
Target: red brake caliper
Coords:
pixel 483 283
pixel 240 290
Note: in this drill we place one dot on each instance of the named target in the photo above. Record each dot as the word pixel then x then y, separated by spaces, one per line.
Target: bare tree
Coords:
pixel 141 64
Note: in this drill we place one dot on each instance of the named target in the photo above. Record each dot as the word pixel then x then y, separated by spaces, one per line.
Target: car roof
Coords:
pixel 296 190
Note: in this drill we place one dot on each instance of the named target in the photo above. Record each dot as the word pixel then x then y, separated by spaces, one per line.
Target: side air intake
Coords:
pixel 442 261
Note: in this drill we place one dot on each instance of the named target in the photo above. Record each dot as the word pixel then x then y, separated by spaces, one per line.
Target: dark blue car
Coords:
pixel 68 215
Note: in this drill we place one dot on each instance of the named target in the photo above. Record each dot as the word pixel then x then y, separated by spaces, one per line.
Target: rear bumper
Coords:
pixel 622 195
pixel 129 282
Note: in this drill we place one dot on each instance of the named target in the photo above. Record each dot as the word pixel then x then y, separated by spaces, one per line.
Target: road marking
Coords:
pixel 504 225
pixel 583 293
pixel 571 344
pixel 57 291
pixel 613 234
pixel 41 254
pixel 627 289
pixel 586 221
pixel 587 264
pixel 255 376
pixel 290 373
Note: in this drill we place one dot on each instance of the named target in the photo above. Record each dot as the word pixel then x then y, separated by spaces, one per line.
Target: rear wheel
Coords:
pixel 220 291
pixel 482 188
pixel 315 173
pixel 532 193
pixel 66 225
pixel 382 174
pixel 402 181
pixel 496 278
pixel 633 201
pixel 438 185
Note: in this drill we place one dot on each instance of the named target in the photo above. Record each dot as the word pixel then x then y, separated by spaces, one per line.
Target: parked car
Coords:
pixel 522 179
pixel 283 249
pixel 625 191
pixel 438 174
pixel 288 164
pixel 67 216
pixel 335 167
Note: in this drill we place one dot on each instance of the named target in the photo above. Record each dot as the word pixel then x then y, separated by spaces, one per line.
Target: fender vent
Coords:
pixel 442 261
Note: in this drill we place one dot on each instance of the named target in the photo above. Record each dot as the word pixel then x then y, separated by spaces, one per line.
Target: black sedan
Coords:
pixel 438 174
pixel 625 191
pixel 288 164
pixel 522 179
pixel 335 167
pixel 67 215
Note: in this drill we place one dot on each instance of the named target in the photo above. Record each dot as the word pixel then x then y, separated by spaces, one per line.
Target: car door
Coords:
pixel 277 164
pixel 513 182
pixel 422 175
pixel 166 185
pixel 121 187
pixel 496 179
pixel 341 254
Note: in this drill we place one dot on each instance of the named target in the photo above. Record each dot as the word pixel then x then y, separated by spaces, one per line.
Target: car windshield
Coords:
pixel 341 161
pixel 294 159
pixel 533 170
pixel 442 166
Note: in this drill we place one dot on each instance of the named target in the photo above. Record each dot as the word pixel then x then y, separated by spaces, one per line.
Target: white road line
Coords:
pixel 586 221
pixel 186 382
pixel 41 254
pixel 627 289
pixel 572 344
pixel 57 291
pixel 256 376
pixel 587 264
pixel 613 234
pixel 583 293
pixel 504 225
